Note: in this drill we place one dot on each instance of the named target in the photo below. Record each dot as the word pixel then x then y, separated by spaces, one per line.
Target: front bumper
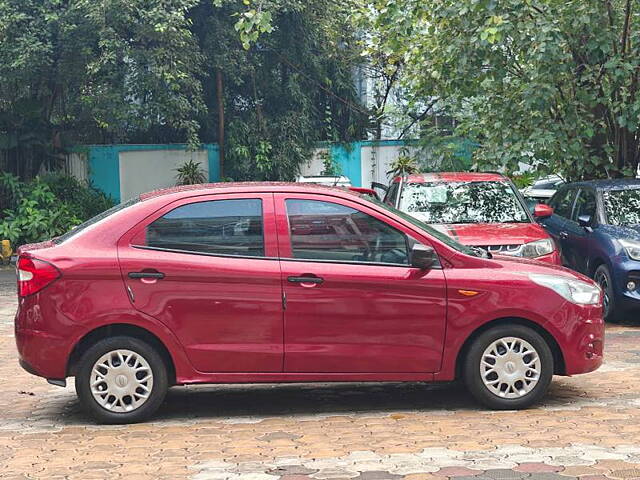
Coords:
pixel 583 345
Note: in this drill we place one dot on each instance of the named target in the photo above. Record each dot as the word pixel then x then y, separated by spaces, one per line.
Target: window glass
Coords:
pixel 332 232
pixel 622 206
pixel 463 202
pixel 562 202
pixel 390 197
pixel 219 227
pixel 585 205
pixel 92 221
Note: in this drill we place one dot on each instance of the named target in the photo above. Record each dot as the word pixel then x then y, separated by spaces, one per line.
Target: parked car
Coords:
pixel 290 283
pixel 597 224
pixel 476 209
pixel 543 189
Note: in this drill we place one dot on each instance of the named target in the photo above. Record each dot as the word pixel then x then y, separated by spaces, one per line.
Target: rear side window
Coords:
pixel 562 202
pixel 218 227
pixel 328 231
pixel 92 221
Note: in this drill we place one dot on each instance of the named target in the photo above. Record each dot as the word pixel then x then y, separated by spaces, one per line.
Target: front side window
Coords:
pixel 218 227
pixel 622 206
pixel 585 205
pixel 331 232
pixel 562 202
pixel 463 202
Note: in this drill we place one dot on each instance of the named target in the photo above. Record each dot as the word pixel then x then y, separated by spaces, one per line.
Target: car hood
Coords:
pixel 631 232
pixel 481 234
pixel 524 266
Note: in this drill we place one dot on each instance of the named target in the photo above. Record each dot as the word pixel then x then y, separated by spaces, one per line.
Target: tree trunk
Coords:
pixel 220 94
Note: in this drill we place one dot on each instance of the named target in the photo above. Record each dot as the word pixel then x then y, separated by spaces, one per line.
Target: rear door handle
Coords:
pixel 306 279
pixel 156 275
pixel 563 235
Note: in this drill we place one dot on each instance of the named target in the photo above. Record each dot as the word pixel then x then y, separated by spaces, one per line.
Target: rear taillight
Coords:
pixel 34 275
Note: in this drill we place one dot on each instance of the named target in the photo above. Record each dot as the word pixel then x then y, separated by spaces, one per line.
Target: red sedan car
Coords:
pixel 477 209
pixel 290 283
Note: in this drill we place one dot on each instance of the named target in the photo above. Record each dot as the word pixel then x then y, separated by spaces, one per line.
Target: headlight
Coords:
pixel 576 291
pixel 632 247
pixel 537 248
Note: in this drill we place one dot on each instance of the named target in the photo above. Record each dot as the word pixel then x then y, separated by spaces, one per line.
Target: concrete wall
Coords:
pixel 143 171
pixel 123 171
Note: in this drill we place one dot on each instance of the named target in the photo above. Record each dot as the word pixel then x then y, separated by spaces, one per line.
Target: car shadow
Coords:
pixel 249 403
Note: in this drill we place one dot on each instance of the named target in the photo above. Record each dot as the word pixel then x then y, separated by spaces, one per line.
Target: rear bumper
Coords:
pixel 41 353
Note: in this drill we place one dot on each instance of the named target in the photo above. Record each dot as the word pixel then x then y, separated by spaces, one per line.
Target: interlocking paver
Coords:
pixel 588 428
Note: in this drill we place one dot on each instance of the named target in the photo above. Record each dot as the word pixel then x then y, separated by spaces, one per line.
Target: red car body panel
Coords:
pixel 485 234
pixel 224 319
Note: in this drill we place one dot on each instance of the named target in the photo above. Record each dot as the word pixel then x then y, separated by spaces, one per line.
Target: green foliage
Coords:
pixel 190 173
pixel 144 71
pixel 330 166
pixel 46 207
pixel 523 180
pixel 553 83
pixel 403 165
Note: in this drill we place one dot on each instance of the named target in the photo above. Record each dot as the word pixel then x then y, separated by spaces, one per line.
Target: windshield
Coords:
pixel 463 202
pixel 101 216
pixel 442 237
pixel 622 206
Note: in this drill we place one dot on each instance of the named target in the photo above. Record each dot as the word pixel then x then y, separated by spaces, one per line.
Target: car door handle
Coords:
pixel 156 275
pixel 306 279
pixel 563 235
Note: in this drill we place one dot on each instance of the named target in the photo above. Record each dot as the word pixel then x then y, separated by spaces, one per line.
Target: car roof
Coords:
pixel 452 177
pixel 608 184
pixel 248 187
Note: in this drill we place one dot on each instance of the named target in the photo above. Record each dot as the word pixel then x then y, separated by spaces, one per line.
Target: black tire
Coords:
pixel 474 358
pixel 602 276
pixel 147 407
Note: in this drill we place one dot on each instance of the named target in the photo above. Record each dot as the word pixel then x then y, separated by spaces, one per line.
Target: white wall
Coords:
pixel 146 170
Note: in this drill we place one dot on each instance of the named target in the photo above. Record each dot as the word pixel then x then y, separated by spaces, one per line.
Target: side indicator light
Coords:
pixel 468 293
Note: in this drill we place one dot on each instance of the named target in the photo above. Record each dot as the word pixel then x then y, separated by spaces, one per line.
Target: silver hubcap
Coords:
pixel 510 367
pixel 121 381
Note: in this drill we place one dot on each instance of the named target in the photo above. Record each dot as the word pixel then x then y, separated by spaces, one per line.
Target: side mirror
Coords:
pixel 423 257
pixel 542 211
pixel 585 221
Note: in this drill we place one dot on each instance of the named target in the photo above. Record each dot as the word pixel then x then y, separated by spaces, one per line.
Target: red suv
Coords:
pixel 477 209
pixel 290 283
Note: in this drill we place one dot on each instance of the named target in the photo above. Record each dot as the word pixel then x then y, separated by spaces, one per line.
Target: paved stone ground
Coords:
pixel 588 427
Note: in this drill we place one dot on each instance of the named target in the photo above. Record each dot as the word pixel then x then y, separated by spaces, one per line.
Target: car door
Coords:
pixel 562 203
pixel 207 268
pixel 576 245
pixel 353 303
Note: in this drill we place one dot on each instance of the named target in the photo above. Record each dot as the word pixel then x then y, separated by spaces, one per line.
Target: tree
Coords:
pixel 168 71
pixel 98 71
pixel 553 83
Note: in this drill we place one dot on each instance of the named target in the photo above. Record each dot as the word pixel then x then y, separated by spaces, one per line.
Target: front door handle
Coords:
pixel 156 275
pixel 306 279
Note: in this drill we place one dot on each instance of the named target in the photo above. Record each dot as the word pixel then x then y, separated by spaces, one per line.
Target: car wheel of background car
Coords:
pixel 508 367
pixel 121 380
pixel 603 278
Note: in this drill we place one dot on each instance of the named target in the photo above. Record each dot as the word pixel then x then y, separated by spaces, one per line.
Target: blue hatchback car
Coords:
pixel 597 226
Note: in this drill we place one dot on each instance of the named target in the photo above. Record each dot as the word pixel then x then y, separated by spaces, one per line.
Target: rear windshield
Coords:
pixel 92 221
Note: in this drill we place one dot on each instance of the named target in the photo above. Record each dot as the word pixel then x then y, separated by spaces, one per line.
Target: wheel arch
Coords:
pixel 559 367
pixel 120 329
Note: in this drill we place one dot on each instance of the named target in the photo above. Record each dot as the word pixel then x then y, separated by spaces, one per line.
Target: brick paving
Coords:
pixel 588 428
